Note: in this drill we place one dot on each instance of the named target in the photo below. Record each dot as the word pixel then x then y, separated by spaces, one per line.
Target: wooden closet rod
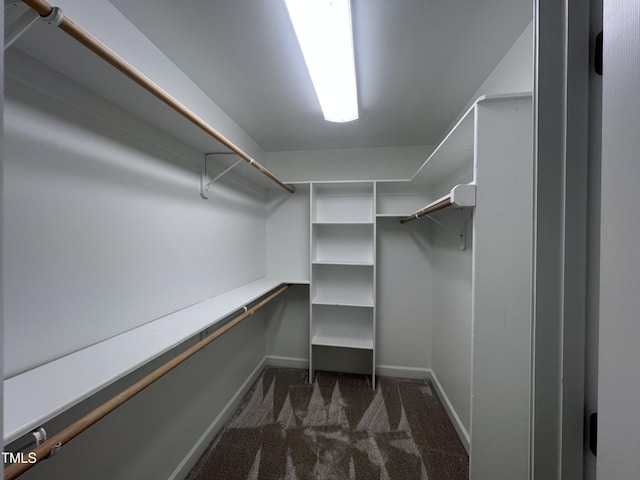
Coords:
pixel 433 208
pixel 43 451
pixel 44 8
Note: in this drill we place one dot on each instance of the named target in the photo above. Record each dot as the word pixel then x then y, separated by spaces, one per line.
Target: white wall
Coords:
pixel 288 235
pixel 619 352
pixel 404 279
pixel 451 296
pixel 287 335
pixel 512 74
pixel 502 293
pixel 348 164
pixel 105 230
pixel 451 268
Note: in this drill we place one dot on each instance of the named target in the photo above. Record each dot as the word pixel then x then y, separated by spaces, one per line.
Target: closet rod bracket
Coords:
pixel 55 17
pixel 40 435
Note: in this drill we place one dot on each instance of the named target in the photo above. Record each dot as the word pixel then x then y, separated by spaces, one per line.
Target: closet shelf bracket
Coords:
pixel 206 180
pixel 54 15
pixel 26 21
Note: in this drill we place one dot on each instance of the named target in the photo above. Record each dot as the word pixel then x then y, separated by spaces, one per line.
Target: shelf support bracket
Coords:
pixel 20 26
pixel 206 180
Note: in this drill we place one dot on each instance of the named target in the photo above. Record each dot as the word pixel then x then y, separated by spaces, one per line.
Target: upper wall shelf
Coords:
pixel 217 141
pixel 452 157
pixel 446 177
pixel 36 396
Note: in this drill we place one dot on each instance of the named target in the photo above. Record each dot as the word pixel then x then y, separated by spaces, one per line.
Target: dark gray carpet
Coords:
pixel 337 428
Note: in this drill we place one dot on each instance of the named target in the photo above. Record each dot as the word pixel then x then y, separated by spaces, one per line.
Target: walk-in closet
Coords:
pixel 208 275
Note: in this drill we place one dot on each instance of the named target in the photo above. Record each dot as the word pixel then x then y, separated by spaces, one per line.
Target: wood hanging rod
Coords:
pixel 44 450
pixel 44 8
pixel 426 211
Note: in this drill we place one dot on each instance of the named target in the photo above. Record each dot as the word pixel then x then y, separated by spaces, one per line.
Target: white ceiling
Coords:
pixel 418 63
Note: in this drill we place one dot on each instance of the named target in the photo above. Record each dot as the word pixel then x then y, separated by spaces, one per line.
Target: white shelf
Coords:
pixel 345 223
pixel 38 395
pixel 452 162
pixel 363 263
pixel 452 157
pixel 341 341
pixel 345 301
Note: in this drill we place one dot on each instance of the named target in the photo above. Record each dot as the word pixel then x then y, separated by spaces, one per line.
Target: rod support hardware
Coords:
pixel 55 449
pixel 40 435
pixel 55 17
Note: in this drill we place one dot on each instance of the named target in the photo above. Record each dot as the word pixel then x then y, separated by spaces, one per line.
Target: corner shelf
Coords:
pixel 448 173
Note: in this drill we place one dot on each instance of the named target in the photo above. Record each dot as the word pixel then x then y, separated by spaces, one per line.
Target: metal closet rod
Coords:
pixel 44 450
pixel 433 208
pixel 44 8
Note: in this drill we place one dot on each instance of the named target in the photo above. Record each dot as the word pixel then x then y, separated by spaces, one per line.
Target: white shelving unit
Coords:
pixel 342 252
pixel 448 173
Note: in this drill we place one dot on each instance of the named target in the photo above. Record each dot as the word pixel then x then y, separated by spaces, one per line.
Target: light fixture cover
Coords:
pixel 324 32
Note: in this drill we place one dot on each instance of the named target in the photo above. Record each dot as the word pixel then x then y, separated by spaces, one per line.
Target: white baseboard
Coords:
pixel 286 362
pixel 451 412
pixel 402 372
pixel 189 461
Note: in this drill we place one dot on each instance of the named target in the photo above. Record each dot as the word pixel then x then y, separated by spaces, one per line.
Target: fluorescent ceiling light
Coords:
pixel 323 28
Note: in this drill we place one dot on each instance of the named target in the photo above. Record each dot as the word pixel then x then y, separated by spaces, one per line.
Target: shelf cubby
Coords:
pixel 342 326
pixel 350 244
pixel 342 285
pixel 343 203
